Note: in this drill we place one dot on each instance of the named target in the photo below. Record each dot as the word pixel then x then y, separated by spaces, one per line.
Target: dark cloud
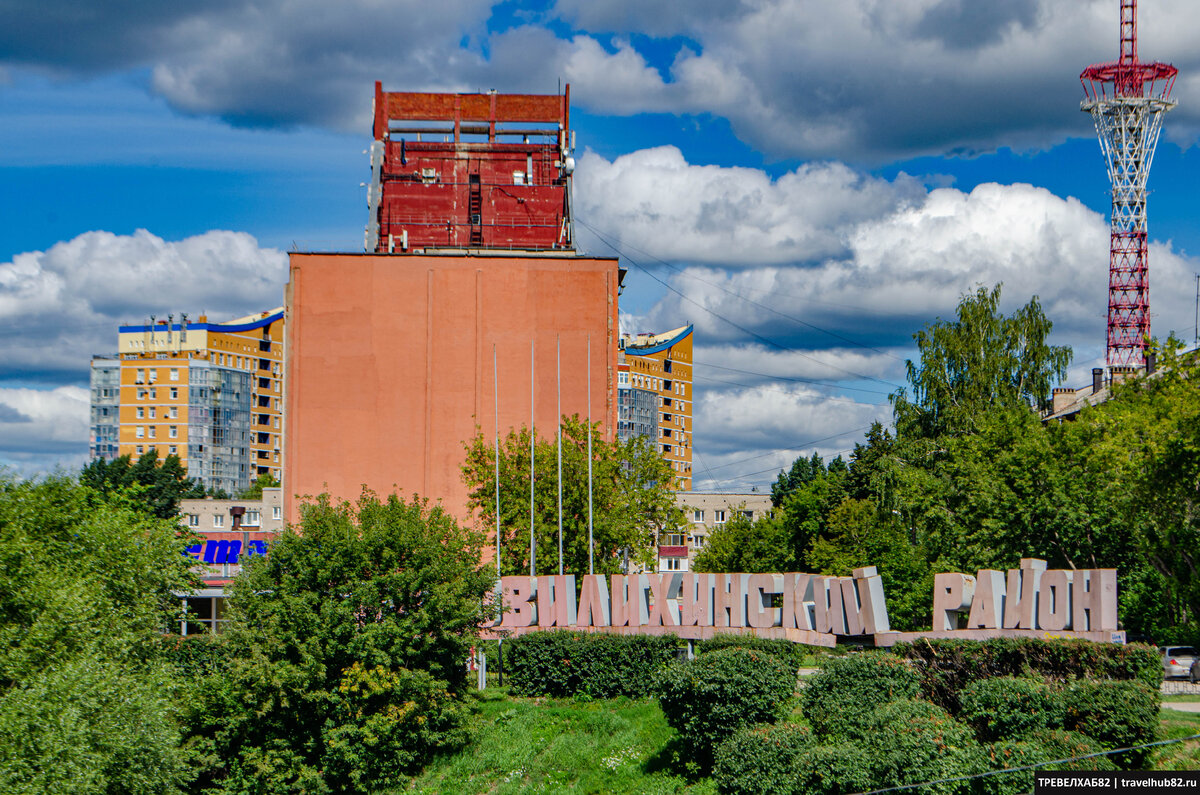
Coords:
pixel 966 24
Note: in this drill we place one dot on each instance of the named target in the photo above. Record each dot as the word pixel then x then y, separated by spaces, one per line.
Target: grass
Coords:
pixel 547 745
pixel 1180 756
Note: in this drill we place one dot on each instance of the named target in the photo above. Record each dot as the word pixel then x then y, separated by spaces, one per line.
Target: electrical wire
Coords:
pixel 745 298
pixel 743 329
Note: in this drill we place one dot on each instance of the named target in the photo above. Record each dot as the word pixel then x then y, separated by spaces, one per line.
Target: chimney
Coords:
pixel 1062 396
pixel 1097 379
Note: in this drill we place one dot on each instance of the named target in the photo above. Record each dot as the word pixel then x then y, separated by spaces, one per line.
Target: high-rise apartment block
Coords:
pixel 654 395
pixel 210 393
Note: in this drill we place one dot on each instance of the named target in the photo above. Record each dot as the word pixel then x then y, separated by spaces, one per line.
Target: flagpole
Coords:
pixel 532 436
pixel 558 365
pixel 496 396
pixel 591 547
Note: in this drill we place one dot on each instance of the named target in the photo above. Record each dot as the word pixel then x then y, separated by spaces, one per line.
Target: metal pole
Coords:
pixel 591 546
pixel 558 357
pixel 532 436
pixel 496 395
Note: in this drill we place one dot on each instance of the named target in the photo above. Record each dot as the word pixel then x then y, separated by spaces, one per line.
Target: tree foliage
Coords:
pixel 346 651
pixel 159 485
pixel 980 361
pixel 633 499
pixel 86 582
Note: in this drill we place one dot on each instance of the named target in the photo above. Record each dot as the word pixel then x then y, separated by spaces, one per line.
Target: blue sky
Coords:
pixel 808 181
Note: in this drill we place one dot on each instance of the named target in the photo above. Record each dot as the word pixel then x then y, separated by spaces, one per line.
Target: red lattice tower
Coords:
pixel 1127 100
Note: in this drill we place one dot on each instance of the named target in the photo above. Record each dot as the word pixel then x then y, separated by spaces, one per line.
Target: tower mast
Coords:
pixel 1127 99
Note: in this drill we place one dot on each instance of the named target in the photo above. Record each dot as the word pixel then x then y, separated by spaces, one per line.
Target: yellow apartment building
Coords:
pixel 210 393
pixel 654 395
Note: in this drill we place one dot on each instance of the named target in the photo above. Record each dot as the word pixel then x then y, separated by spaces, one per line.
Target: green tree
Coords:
pixel 633 501
pixel 159 486
pixel 347 646
pixel 979 361
pixel 86 585
pixel 761 545
pixel 255 490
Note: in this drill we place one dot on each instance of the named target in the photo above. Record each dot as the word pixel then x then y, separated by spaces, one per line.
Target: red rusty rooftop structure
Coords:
pixel 470 171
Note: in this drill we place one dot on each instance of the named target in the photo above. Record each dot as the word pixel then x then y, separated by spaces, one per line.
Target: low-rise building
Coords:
pixel 705 512
pixel 230 532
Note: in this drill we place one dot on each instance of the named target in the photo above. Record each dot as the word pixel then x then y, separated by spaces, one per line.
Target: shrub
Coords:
pixel 760 759
pixel 563 663
pixel 833 770
pixel 1115 714
pixel 792 653
pixel 1008 706
pixel 947 666
pixel 1041 746
pixel 910 742
pixel 709 698
pixel 840 697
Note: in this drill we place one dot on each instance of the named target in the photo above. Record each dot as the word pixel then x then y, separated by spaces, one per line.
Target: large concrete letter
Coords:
pixel 696 601
pixel 761 592
pixel 661 612
pixel 871 598
pixel 988 605
pixel 1094 600
pixel 796 601
pixel 1054 601
pixel 851 606
pixel 518 597
pixel 556 601
pixel 952 594
pixel 593 602
pixel 1020 603
pixel 729 601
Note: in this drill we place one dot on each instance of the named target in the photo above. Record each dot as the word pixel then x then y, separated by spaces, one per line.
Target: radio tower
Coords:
pixel 1127 100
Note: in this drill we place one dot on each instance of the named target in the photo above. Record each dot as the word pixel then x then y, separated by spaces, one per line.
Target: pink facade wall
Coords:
pixel 389 364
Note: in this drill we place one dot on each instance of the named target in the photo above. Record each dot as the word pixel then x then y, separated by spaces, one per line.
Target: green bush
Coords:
pixel 840 697
pixel 792 653
pixel 1042 746
pixel 709 698
pixel 947 666
pixel 1008 706
pixel 911 742
pixel 761 759
pixel 196 655
pixel 833 770
pixel 1115 714
pixel 561 663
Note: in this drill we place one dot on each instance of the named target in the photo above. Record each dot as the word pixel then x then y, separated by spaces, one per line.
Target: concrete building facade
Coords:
pixel 396 361
pixel 654 395
pixel 210 393
pixel 707 511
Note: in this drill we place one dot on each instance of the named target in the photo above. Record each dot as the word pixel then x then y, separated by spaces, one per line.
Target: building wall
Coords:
pixel 655 372
pixel 390 363
pixel 707 511
pixel 211 393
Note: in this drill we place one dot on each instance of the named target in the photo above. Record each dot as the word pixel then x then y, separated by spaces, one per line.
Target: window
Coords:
pixel 666 448
pixel 174 373
pixel 672 564
pixel 218 520
pixel 748 514
pixel 668 418
pixel 153 376
pixel 276 512
pixel 719 517
pixel 174 412
pixel 153 428
pixel 276 386
pixel 153 393
pixel 623 379
pixel 193 520
pixel 141 377
pixel 252 518
pixel 141 394
pixel 141 412
pixel 173 432
pixel 174 393
pixel 666 433
pixel 697 542
pixel 667 366
pixel 139 449
pixel 140 432
pixel 276 422
pixel 698 516
pixel 174 450
pixel 152 412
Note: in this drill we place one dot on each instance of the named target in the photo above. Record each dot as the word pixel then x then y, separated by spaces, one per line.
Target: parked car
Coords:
pixel 1194 675
pixel 1178 661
